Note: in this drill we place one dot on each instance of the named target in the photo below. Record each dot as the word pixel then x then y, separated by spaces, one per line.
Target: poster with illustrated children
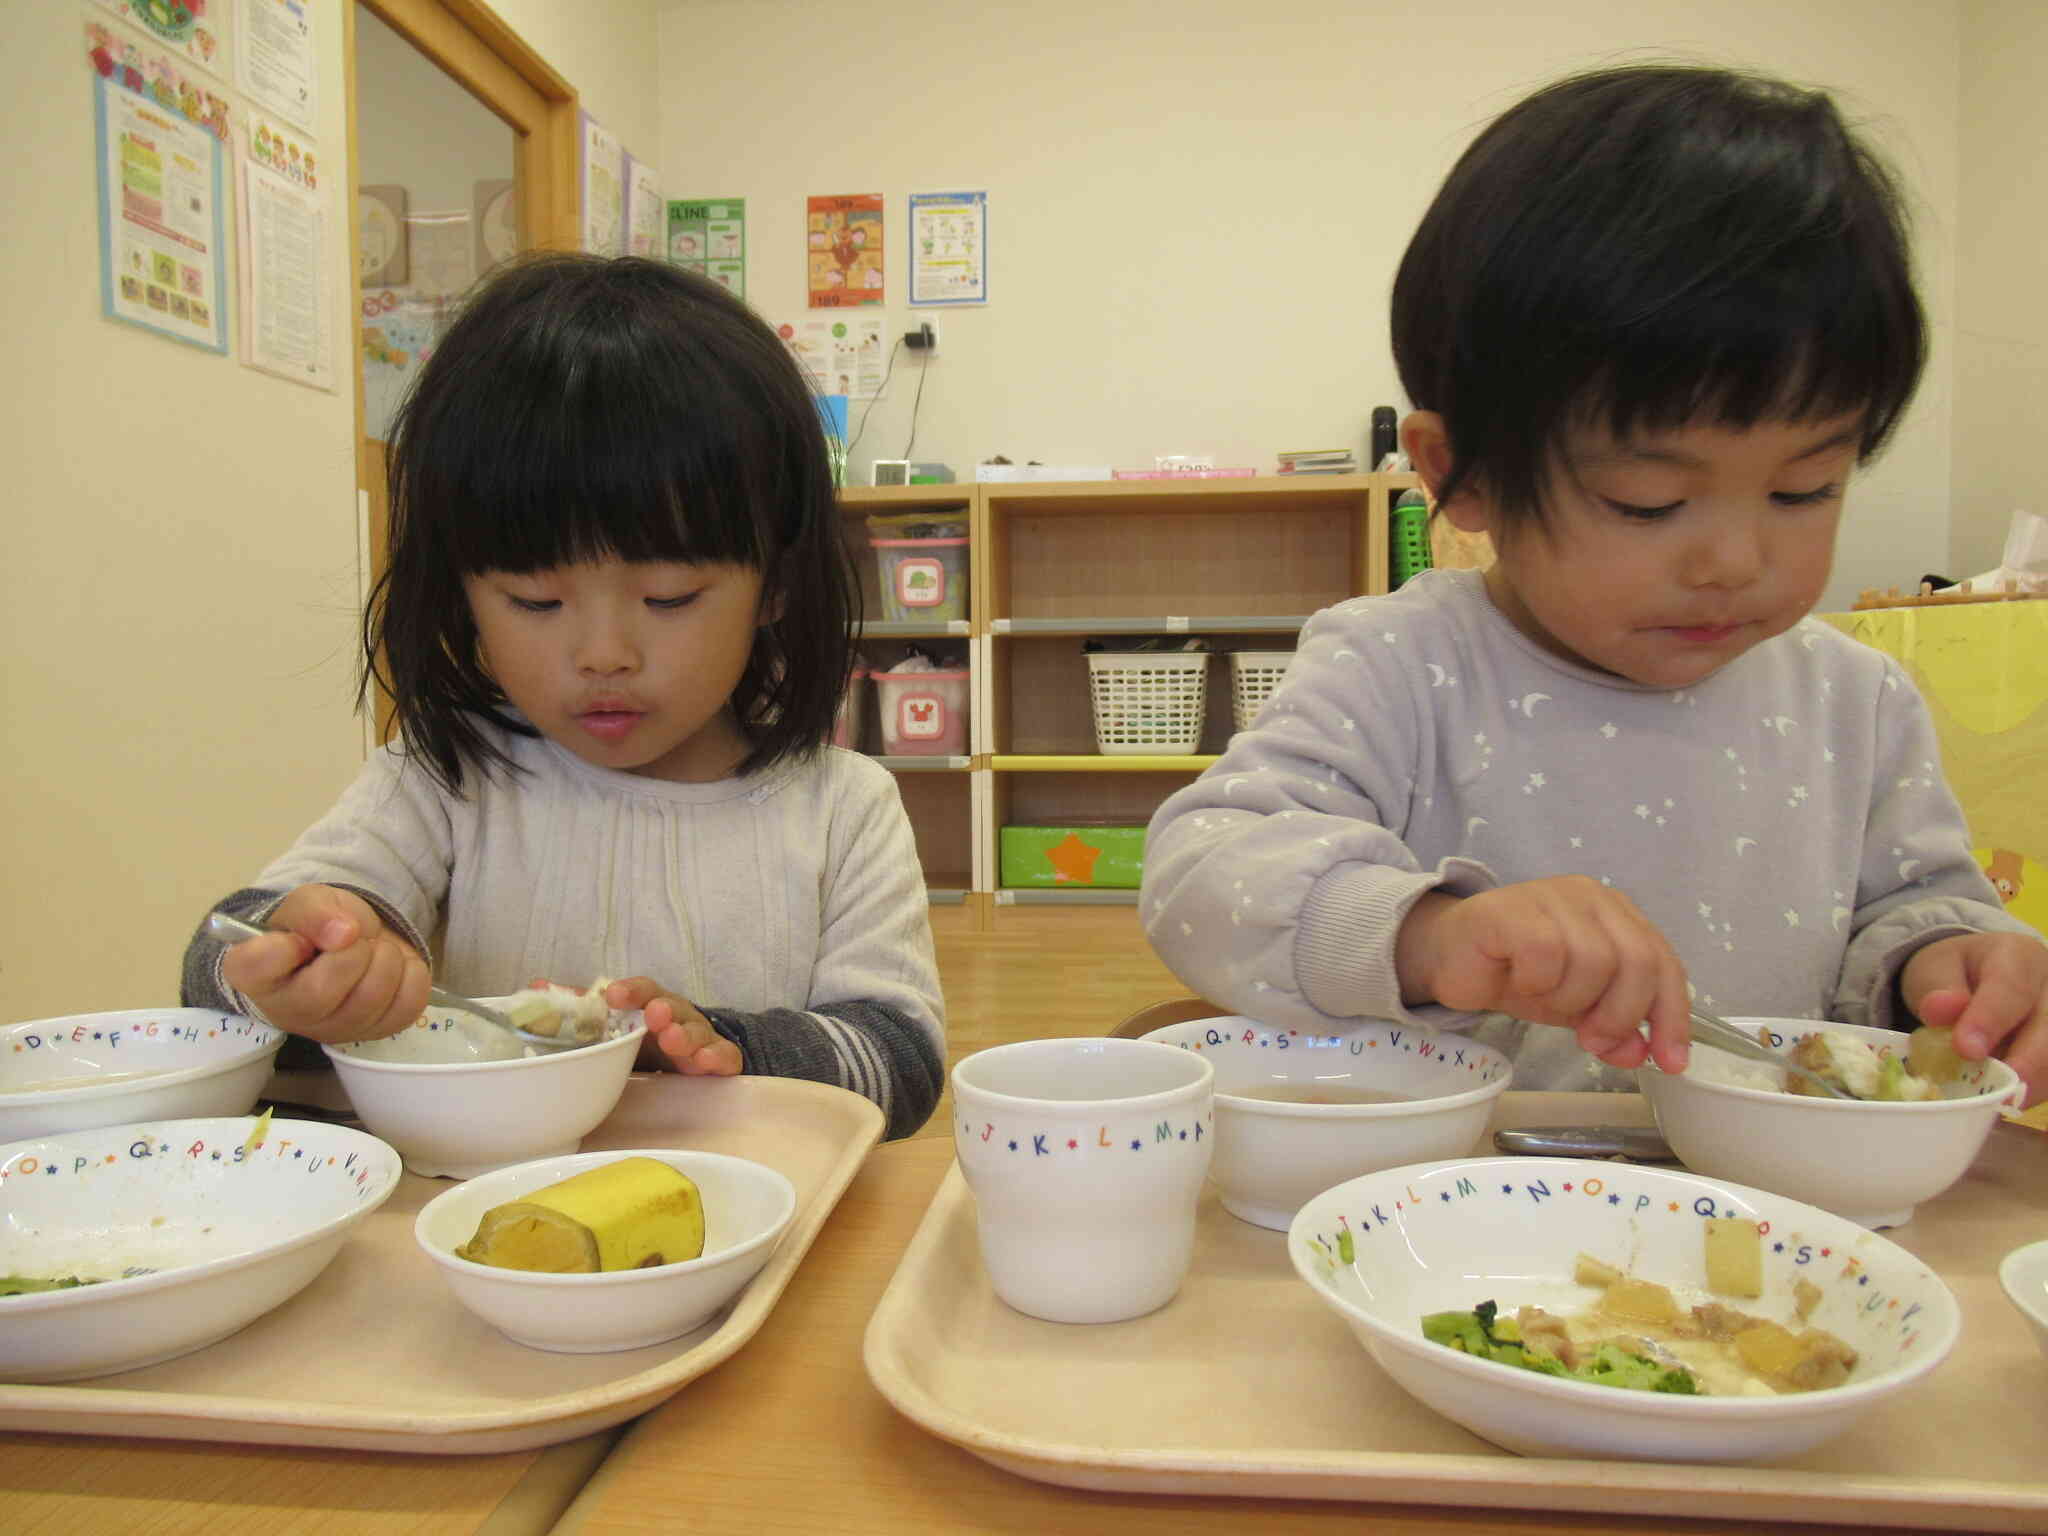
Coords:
pixel 843 245
pixel 949 248
pixel 709 235
pixel 646 212
pixel 193 30
pixel 287 313
pixel 161 209
pixel 276 62
pixel 603 190
pixel 843 355
pixel 1983 670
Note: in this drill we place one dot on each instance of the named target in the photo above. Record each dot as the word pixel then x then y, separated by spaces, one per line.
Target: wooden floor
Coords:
pixel 1038 972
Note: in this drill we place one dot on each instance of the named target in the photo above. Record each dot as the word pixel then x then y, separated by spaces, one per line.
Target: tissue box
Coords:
pixel 1111 858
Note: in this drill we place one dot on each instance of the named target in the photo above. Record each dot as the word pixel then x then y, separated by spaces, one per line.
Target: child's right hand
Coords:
pixel 330 969
pixel 1566 951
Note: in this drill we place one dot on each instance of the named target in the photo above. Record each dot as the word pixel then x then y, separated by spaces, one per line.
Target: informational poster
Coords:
pixel 709 235
pixel 496 207
pixel 603 184
pixel 193 34
pixel 843 237
pixel 949 248
pixel 275 58
pixel 843 354
pixel 161 204
pixel 442 252
pixel 646 212
pixel 287 316
pixel 399 334
pixel 121 61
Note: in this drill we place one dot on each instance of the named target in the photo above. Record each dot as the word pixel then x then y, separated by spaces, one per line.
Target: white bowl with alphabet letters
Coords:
pixel 1297 1112
pixel 144 1242
pixel 92 1069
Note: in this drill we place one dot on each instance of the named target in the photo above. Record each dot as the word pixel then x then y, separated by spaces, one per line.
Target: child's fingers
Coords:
pixel 2003 998
pixel 2027 1054
pixel 262 965
pixel 632 992
pixel 693 1047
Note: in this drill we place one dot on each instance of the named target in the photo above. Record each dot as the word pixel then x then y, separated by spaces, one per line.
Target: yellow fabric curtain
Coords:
pixel 1983 669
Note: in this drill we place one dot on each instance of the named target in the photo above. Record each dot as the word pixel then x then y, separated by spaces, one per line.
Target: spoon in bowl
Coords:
pixel 1709 1029
pixel 232 930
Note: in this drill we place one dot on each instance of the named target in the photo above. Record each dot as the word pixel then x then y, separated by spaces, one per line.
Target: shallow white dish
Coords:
pixel 1271 1156
pixel 747 1208
pixel 1870 1162
pixel 459 1098
pixel 93 1069
pixel 2024 1274
pixel 1453 1234
pixel 198 1228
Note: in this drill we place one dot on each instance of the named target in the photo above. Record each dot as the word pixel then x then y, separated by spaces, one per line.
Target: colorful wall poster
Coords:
pixel 843 237
pixel 123 62
pixel 843 355
pixel 188 26
pixel 161 204
pixel 287 313
pixel 603 184
pixel 275 59
pixel 949 248
pixel 399 333
pixel 709 235
pixel 646 212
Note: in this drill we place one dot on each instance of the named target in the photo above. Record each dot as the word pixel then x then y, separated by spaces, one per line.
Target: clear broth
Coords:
pixel 1320 1093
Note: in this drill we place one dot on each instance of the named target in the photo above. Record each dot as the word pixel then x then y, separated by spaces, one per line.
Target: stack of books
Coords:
pixel 1319 461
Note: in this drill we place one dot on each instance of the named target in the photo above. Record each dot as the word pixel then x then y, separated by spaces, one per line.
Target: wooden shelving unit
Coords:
pixel 1242 563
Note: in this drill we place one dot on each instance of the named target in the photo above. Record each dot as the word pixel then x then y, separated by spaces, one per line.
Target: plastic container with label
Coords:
pixel 922 580
pixel 846 725
pixel 923 713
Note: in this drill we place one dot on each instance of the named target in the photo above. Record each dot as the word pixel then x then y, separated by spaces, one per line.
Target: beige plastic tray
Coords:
pixel 376 1354
pixel 1246 1384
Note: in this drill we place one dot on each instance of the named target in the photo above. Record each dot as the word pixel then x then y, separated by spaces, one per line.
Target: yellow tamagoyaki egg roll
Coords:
pixel 630 1214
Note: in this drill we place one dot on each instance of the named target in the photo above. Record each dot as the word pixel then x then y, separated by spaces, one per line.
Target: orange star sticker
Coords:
pixel 1073 860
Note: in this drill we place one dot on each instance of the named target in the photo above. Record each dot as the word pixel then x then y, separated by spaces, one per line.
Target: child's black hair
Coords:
pixel 581 408
pixel 1641 247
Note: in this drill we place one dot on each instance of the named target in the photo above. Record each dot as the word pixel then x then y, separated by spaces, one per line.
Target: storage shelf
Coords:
pixel 1180 762
pixel 1069 896
pixel 916 763
pixel 912 629
pixel 1170 624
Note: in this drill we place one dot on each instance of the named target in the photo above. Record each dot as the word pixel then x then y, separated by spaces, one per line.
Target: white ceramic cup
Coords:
pixel 1086 1158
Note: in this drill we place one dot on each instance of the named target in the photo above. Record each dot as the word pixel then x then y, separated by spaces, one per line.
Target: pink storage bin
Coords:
pixel 846 726
pixel 922 579
pixel 923 713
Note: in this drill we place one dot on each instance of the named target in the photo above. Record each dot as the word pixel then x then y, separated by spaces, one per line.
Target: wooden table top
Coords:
pixel 790 1436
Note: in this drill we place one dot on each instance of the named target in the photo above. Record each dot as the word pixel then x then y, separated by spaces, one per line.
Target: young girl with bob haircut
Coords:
pixel 616 626
pixel 1653 321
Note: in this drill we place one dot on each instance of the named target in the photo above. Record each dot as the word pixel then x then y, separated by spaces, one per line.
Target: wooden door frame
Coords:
pixel 476 49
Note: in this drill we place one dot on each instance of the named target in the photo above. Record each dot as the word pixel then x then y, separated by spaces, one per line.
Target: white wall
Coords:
pixel 2001 347
pixel 179 572
pixel 1197 209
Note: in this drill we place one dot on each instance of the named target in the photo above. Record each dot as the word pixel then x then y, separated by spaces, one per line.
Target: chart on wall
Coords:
pixel 709 235
pixel 949 248
pixel 843 239
pixel 604 190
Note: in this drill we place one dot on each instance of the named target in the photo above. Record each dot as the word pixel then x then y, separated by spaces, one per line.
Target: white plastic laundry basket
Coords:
pixel 1253 677
pixel 1148 701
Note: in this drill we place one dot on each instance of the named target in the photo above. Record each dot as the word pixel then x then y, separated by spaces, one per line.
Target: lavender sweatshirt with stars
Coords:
pixel 1784 823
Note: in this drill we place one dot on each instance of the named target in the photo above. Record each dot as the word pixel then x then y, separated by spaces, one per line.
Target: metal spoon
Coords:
pixel 232 930
pixel 1709 1029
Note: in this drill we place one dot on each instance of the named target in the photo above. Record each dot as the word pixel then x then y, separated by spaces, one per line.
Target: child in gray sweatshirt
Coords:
pixel 1653 322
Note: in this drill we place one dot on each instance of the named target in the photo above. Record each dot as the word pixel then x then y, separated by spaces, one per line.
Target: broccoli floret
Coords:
pixel 1458 1330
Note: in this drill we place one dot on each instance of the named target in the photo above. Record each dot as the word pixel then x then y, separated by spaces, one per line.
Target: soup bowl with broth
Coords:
pixel 1297 1113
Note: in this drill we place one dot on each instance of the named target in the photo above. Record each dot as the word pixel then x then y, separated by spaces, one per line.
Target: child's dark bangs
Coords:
pixel 564 486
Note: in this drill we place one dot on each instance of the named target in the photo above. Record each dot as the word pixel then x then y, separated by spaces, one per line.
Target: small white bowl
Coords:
pixel 458 1098
pixel 93 1069
pixel 1450 1235
pixel 201 1231
pixel 1271 1156
pixel 747 1208
pixel 1870 1162
pixel 2024 1274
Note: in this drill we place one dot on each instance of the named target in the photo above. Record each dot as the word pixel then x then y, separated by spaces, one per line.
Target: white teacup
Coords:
pixel 1086 1158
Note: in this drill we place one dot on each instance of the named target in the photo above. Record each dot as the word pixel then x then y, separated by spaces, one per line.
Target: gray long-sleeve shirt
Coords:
pixel 788 905
pixel 1785 822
